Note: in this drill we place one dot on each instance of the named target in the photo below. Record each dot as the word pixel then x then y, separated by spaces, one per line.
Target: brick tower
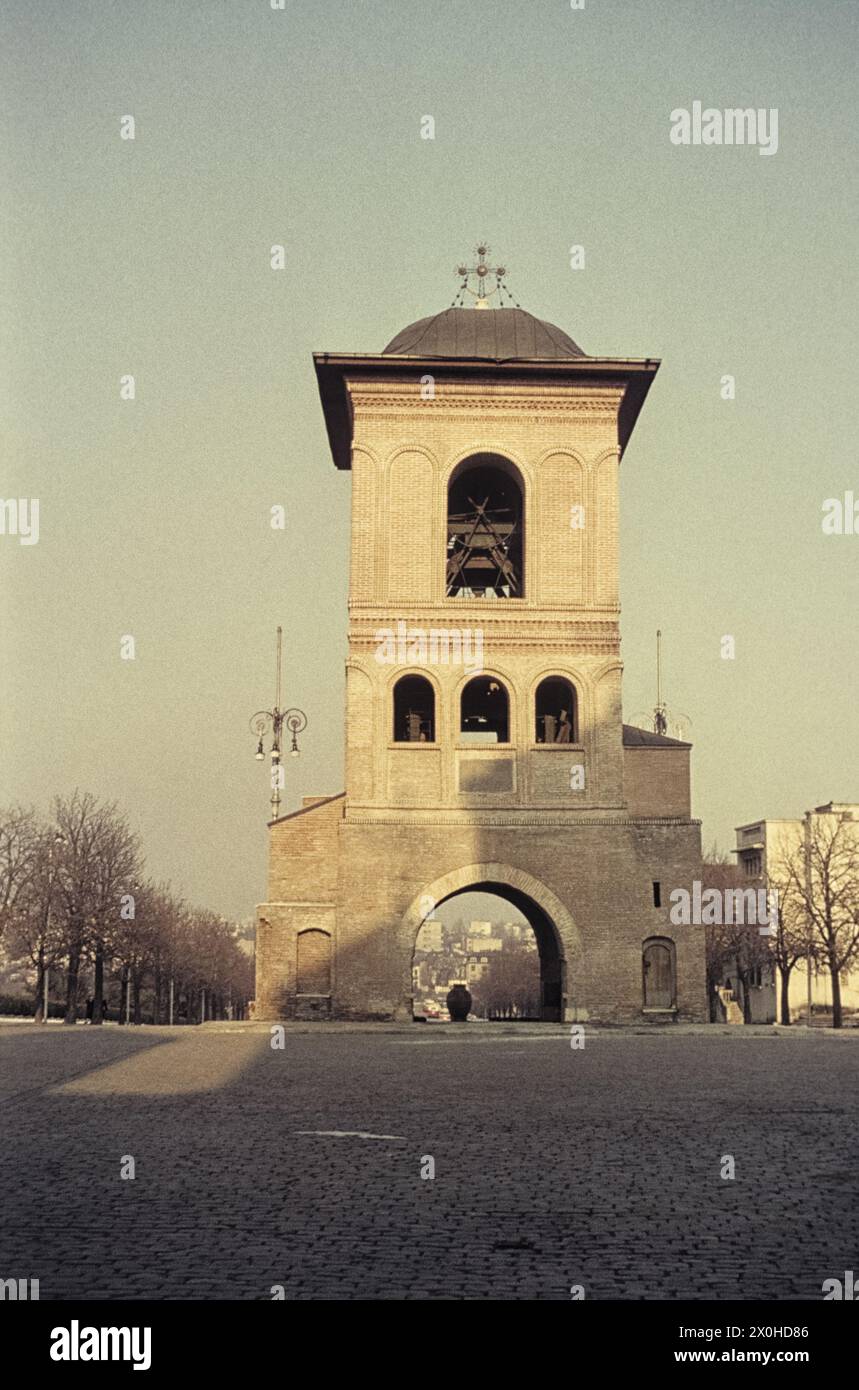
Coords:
pixel 485 744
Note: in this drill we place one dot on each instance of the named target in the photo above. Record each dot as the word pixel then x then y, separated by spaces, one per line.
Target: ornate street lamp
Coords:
pixel 274 719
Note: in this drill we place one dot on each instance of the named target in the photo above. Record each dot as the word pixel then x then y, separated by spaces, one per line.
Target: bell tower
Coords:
pixel 484 644
pixel 484 737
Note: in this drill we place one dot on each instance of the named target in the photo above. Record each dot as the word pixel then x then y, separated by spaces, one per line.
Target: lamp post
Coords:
pixel 58 840
pixel 808 917
pixel 125 981
pixel 274 719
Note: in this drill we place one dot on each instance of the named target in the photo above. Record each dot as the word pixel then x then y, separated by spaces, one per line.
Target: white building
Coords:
pixel 431 936
pixel 475 968
pixel 483 943
pixel 480 929
pixel 760 849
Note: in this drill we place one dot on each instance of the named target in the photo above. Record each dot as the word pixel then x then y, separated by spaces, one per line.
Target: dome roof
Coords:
pixel 496 334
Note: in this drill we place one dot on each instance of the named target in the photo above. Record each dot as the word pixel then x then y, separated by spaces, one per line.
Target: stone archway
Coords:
pixel 558 938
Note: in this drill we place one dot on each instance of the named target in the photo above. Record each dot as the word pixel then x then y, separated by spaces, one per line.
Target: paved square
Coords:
pixel 553 1166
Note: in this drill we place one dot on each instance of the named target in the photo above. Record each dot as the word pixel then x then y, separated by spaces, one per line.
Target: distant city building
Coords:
pixel 517 931
pixel 484 943
pixel 431 936
pixel 480 929
pixel 759 840
pixel 422 976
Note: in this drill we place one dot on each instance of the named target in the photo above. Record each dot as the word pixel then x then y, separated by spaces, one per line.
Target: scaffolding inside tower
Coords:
pixel 483 549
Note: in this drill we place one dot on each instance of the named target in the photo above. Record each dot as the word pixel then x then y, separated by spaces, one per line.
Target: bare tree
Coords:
pixel 752 956
pixel 19 844
pixel 819 867
pixel 136 944
pixel 166 944
pixel 115 882
pixel 99 856
pixel 717 870
pixel 790 945
pixel 735 945
pixel 36 931
pixel 511 983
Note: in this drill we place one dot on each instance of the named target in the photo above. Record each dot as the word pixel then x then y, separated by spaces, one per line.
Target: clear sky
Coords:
pixel 302 127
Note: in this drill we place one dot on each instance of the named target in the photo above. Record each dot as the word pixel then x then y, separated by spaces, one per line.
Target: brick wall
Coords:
pixel 657 781
pixel 601 875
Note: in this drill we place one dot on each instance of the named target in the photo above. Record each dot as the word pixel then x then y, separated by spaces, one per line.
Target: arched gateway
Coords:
pixel 483 689
pixel 555 931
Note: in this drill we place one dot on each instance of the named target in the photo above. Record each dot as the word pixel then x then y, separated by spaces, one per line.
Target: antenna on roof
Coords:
pixel 660 714
pixel 662 720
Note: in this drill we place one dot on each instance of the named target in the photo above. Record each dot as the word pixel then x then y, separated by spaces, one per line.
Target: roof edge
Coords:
pixel 305 810
pixel 332 369
pixel 649 739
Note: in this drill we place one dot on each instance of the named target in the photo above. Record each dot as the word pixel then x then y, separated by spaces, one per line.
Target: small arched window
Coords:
pixel 556 710
pixel 660 973
pixel 485 712
pixel 414 710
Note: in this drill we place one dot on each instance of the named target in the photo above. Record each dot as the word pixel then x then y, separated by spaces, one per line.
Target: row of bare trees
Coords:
pixel 510 987
pixel 815 871
pixel 75 904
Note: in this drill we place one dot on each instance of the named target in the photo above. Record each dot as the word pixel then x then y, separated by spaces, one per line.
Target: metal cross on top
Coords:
pixel 482 271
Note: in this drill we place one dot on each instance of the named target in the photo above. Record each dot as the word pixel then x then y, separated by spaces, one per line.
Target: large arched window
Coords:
pixel 485 712
pixel 556 711
pixel 414 710
pixel 660 973
pixel 485 519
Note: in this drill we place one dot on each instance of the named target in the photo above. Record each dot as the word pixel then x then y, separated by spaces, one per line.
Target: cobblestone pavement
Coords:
pixel 553 1166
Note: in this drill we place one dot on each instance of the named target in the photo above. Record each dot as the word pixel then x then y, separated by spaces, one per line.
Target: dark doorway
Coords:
pixel 659 974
